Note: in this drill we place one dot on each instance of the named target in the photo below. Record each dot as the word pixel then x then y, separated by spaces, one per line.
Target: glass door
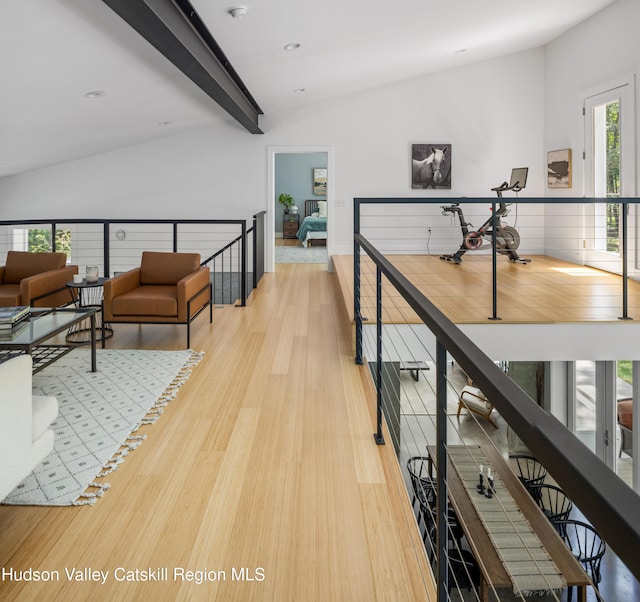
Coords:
pixel 609 172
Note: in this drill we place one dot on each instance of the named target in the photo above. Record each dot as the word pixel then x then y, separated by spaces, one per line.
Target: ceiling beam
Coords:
pixel 175 29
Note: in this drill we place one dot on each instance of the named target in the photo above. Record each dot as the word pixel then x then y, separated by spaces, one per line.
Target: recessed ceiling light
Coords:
pixel 292 46
pixel 300 90
pixel 95 94
pixel 237 12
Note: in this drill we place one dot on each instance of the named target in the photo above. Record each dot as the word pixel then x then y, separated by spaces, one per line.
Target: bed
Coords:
pixel 314 224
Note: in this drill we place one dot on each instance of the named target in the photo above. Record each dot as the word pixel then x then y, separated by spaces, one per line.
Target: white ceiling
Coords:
pixel 54 51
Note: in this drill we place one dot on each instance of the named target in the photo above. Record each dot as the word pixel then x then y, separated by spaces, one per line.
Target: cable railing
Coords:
pixel 512 231
pixel 420 368
pixel 114 246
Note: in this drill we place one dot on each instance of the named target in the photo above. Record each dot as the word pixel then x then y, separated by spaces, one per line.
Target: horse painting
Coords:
pixel 434 170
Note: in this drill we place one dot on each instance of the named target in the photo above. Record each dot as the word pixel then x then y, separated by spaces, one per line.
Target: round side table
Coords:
pixel 88 294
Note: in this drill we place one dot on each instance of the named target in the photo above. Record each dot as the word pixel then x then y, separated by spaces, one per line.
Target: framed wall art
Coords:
pixel 430 166
pixel 320 181
pixel 559 168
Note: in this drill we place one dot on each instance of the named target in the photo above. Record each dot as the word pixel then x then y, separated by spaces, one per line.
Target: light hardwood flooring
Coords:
pixel 265 460
pixel 287 242
pixel 545 290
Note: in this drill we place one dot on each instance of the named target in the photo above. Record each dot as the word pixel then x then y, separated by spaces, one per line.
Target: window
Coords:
pixel 38 240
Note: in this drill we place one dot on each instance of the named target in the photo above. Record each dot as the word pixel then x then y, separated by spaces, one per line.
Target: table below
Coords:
pixel 483 547
pixel 89 294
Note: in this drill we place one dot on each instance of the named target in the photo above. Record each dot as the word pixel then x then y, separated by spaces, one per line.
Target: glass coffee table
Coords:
pixel 42 325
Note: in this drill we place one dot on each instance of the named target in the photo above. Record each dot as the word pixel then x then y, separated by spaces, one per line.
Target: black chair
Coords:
pixel 553 502
pixel 464 571
pixel 586 545
pixel 422 481
pixel 530 471
pixel 420 470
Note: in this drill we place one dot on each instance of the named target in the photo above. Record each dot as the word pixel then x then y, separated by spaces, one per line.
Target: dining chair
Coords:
pixel 587 546
pixel 530 471
pixel 421 480
pixel 554 502
pixel 464 571
pixel 420 470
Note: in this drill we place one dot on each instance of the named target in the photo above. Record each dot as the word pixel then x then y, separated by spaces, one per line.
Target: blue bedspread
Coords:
pixel 311 224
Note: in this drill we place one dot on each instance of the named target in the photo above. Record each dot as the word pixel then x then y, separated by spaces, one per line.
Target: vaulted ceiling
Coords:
pixel 54 52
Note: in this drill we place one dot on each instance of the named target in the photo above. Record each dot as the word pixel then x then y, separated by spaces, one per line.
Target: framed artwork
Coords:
pixel 559 168
pixel 320 181
pixel 430 166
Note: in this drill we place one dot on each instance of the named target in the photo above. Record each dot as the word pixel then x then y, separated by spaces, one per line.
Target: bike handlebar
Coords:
pixel 504 186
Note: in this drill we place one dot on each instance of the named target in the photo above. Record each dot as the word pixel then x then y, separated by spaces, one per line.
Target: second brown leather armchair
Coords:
pixel 167 288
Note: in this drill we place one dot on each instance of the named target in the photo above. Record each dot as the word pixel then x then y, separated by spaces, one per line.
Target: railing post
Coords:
pixel 53 236
pixel 243 271
pixel 175 237
pixel 378 434
pixel 106 248
pixel 356 301
pixel 625 268
pixel 357 315
pixel 442 496
pixel 255 251
pixel 494 262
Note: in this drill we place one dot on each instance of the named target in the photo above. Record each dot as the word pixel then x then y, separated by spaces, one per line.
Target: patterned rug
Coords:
pixel 99 413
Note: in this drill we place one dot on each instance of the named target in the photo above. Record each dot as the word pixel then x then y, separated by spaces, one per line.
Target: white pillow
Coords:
pixel 322 208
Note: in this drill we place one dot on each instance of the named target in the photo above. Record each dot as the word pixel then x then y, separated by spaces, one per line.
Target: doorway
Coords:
pixel 609 118
pixel 291 172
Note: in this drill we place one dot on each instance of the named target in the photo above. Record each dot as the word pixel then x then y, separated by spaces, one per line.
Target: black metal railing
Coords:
pixel 624 255
pixel 259 242
pixel 232 274
pixel 607 502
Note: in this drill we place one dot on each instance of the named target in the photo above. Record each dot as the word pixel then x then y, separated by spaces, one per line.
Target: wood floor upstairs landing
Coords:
pixel 266 459
pixel 547 290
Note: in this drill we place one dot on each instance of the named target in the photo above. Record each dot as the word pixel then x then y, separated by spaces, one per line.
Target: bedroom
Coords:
pixel 301 231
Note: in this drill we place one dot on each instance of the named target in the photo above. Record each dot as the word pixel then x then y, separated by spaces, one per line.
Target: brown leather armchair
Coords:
pixel 36 279
pixel 167 288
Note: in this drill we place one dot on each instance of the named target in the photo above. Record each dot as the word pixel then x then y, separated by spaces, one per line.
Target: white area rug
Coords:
pixel 98 413
pixel 286 254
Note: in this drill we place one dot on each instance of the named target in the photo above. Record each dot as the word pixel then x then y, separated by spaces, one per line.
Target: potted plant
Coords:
pixel 286 200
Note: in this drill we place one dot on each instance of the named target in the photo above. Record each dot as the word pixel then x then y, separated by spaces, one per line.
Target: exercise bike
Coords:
pixel 507 237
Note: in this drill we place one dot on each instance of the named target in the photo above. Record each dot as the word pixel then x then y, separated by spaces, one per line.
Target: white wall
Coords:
pixel 492 128
pixel 497 114
pixel 493 125
pixel 583 61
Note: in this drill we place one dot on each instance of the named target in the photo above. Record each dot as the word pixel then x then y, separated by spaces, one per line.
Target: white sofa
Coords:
pixel 25 436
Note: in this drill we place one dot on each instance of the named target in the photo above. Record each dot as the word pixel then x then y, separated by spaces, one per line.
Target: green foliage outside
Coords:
pixel 613 176
pixel 40 241
pixel 625 371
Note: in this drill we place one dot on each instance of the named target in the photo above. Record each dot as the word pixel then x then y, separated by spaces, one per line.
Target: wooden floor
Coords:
pixel 265 460
pixel 545 291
